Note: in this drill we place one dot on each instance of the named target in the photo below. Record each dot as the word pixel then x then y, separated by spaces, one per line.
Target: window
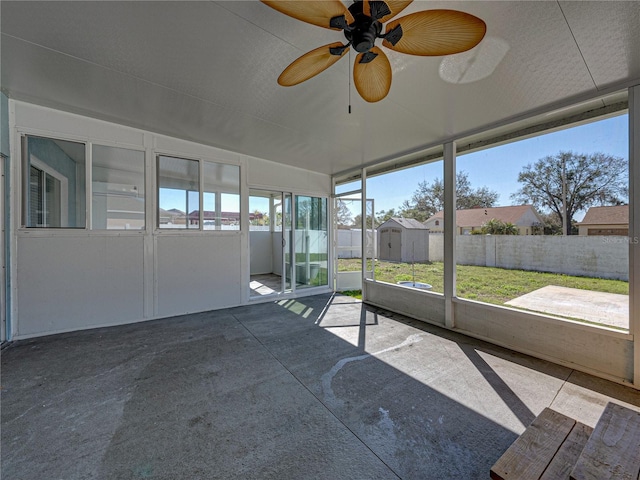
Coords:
pixel 54 177
pixel 261 204
pixel 117 183
pixel 179 195
pixel 528 251
pixel 221 196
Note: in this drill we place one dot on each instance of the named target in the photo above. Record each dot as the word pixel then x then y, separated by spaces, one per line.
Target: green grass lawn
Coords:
pixel 485 284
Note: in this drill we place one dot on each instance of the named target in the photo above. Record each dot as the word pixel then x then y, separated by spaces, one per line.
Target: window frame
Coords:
pixel 145 176
pixel 23 172
pixel 202 161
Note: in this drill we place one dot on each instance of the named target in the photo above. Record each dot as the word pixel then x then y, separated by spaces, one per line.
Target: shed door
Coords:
pixel 390 244
pixel 395 245
pixel 385 244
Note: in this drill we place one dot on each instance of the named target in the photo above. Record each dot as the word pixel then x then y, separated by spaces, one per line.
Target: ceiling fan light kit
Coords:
pixel 424 33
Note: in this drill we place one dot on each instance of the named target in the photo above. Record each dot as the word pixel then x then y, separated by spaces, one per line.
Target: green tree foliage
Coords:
pixel 498 227
pixel 381 217
pixel 259 218
pixel 596 179
pixel 551 225
pixel 429 198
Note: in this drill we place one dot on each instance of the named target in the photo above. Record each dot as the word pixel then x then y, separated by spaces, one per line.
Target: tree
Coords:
pixel 259 218
pixel 550 225
pixel 311 212
pixel 381 217
pixel 590 179
pixel 357 221
pixel 429 198
pixel 343 214
pixel 498 227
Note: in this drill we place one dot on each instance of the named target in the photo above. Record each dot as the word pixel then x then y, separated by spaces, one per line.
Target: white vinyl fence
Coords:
pixel 350 243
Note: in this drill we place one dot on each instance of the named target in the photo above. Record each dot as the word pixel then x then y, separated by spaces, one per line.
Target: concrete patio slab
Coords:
pixel 606 308
pixel 322 387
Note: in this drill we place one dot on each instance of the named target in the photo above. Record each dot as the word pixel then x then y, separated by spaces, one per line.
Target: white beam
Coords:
pixel 363 229
pixel 634 227
pixel 449 231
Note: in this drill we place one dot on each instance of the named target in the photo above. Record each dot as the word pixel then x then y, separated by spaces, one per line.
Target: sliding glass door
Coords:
pixel 269 242
pixel 287 242
pixel 311 242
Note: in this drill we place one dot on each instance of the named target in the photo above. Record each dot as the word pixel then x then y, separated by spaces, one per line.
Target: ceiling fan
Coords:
pixel 425 33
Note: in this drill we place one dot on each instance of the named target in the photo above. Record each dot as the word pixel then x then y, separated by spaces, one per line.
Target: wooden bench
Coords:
pixel 557 447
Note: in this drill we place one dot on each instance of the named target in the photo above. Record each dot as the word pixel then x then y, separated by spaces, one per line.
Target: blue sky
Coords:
pixel 497 168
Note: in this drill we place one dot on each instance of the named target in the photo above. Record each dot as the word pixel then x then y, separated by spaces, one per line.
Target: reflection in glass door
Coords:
pixel 287 243
pixel 269 234
pixel 3 318
pixel 311 242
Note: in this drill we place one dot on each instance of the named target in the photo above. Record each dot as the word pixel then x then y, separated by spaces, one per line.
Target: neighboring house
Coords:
pixel 226 218
pixel 403 240
pixel 173 216
pixel 524 217
pixel 613 220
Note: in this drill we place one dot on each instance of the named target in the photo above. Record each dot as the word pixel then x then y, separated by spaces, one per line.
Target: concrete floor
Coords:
pixel 265 284
pixel 321 388
pixel 598 307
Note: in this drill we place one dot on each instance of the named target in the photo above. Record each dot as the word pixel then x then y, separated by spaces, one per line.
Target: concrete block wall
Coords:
pixel 594 256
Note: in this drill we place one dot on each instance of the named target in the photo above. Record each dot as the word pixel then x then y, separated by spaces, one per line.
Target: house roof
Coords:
pixel 475 217
pixel 408 223
pixel 211 215
pixel 612 215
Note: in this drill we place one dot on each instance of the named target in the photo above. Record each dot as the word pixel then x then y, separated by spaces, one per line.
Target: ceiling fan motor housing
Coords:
pixel 362 33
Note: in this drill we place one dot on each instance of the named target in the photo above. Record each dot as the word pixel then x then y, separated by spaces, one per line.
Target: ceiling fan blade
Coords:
pixel 396 6
pixel 372 8
pixel 311 64
pixel 372 75
pixel 436 32
pixel 315 12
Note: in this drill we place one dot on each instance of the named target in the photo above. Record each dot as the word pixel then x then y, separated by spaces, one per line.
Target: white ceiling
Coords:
pixel 206 71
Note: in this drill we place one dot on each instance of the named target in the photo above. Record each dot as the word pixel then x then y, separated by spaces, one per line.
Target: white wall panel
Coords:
pixel 276 252
pixel 185 148
pixel 198 272
pixel 594 350
pixel 45 119
pixel 68 282
pixel 348 281
pixel 261 250
pixel 275 176
pixel 406 301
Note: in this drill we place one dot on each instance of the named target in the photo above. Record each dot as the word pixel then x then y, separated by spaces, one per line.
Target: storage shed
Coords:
pixel 403 240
